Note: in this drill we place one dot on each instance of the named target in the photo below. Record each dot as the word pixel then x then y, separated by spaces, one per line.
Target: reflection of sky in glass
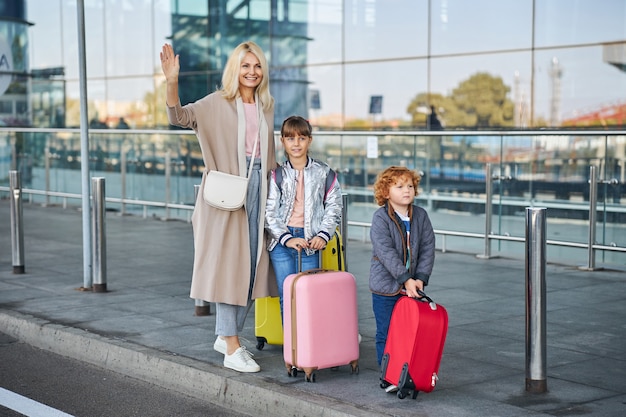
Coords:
pixel 565 22
pixel 386 29
pixel 586 82
pixel 327 80
pixel 124 40
pixel 463 26
pixel 398 83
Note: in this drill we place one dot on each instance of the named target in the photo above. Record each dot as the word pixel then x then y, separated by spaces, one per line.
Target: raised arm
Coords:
pixel 171 66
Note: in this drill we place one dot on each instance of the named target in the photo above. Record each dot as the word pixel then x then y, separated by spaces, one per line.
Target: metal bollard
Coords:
pixel 168 183
pixel 488 211
pixel 203 308
pixel 536 300
pixel 17 223
pixel 123 178
pixel 98 246
pixel 593 205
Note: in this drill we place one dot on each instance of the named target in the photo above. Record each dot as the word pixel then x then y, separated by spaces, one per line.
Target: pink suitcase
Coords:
pixel 320 323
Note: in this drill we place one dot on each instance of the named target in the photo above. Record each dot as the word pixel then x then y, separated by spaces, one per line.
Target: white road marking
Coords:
pixel 27 406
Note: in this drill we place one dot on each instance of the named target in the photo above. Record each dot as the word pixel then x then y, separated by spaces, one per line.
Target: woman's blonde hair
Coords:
pixel 388 178
pixel 230 77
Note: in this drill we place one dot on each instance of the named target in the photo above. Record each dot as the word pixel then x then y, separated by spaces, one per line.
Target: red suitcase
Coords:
pixel 417 334
pixel 321 322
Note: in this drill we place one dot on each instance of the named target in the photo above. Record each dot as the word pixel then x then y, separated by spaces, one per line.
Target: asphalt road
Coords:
pixel 82 390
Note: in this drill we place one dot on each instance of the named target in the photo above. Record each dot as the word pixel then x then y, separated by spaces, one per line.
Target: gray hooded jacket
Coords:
pixel 388 270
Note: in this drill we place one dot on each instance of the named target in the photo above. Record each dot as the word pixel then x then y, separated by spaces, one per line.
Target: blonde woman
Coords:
pixel 231 263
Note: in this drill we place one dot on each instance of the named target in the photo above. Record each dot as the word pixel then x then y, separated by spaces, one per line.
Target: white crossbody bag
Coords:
pixel 226 191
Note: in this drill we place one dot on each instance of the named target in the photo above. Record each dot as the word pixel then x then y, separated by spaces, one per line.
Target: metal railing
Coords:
pixel 346 152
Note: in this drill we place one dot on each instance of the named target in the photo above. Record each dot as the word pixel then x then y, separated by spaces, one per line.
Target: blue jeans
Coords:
pixel 285 262
pixel 383 307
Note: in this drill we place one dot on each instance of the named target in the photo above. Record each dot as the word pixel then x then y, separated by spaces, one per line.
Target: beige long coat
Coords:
pixel 221 270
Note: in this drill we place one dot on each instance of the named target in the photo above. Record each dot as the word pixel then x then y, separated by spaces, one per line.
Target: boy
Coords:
pixel 403 247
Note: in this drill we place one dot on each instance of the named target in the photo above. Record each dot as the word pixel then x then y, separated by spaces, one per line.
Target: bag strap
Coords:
pixel 256 142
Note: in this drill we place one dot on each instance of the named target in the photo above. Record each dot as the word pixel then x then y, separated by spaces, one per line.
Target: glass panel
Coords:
pixel 611 198
pixel 324 37
pixel 162 29
pixel 95 39
pixel 129 48
pixel 326 94
pixel 14 110
pixel 386 29
pixel 190 7
pixel 395 82
pixel 48 102
pixel 14 47
pixel 480 25
pixel 579 22
pixel 46 34
pixel 135 100
pixel 576 87
pixel 484 91
pixel 249 10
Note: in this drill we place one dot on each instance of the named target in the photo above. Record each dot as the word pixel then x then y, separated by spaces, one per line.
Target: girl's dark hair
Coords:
pixel 294 126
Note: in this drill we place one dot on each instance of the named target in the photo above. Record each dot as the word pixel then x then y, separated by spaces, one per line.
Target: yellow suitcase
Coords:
pixel 268 325
pixel 333 255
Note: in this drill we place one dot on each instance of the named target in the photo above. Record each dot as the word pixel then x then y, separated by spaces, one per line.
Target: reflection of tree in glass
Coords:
pixel 479 102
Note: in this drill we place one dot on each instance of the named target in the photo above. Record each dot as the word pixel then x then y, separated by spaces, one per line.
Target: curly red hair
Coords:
pixel 388 178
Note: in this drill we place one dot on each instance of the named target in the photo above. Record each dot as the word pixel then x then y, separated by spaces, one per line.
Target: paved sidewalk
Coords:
pixel 145 327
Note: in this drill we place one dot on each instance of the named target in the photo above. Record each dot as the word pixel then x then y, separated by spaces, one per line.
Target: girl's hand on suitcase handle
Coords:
pixel 317 243
pixel 297 243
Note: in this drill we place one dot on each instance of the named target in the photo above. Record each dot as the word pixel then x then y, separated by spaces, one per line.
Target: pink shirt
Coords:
pixel 252 129
pixel 297 216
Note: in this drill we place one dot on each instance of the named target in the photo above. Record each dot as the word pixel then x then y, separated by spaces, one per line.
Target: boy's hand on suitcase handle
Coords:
pixel 413 286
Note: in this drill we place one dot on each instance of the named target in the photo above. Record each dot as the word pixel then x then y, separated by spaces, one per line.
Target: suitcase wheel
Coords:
pixel 384 384
pixel 292 371
pixel 260 343
pixel 354 367
pixel 309 374
pixel 402 394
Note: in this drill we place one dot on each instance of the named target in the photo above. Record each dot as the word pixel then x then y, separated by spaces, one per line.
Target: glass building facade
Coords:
pixel 530 94
pixel 344 64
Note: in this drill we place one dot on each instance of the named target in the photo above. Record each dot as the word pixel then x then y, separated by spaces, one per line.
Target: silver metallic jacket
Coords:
pixel 322 211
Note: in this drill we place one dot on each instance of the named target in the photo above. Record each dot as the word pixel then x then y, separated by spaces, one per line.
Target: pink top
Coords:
pixel 297 216
pixel 252 129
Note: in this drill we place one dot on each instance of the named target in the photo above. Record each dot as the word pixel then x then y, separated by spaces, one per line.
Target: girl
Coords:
pixel 302 212
pixel 403 246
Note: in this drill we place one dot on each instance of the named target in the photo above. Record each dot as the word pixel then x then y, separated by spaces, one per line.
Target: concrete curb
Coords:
pixel 251 394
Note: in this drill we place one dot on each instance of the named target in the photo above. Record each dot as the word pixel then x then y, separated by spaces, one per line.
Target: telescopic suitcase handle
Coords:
pixel 424 298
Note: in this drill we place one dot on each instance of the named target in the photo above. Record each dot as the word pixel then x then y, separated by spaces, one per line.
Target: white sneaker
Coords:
pixel 220 345
pixel 391 388
pixel 241 360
